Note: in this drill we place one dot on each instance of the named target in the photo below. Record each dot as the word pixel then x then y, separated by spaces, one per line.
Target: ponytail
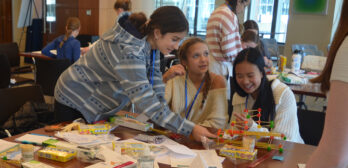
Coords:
pixel 73 23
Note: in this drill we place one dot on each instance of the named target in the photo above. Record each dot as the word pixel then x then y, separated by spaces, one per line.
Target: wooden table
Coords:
pixel 309 89
pixel 34 55
pixel 293 154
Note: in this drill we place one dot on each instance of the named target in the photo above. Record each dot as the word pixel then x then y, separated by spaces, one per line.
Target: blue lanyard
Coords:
pixel 246 102
pixel 152 73
pixel 200 86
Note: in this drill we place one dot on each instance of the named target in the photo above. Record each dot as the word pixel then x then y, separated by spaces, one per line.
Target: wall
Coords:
pixel 147 6
pixel 107 15
pixel 309 29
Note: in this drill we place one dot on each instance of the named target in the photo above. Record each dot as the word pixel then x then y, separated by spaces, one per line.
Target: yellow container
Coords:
pixel 56 154
pixel 282 63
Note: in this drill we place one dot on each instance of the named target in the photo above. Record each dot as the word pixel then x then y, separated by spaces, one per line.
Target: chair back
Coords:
pixel 13 98
pixel 12 52
pixel 48 72
pixel 5 71
pixel 272 47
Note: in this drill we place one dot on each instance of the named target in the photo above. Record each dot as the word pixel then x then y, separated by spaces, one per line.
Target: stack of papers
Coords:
pixel 86 140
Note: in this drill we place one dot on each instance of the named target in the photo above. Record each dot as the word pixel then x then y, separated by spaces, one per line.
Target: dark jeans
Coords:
pixel 65 113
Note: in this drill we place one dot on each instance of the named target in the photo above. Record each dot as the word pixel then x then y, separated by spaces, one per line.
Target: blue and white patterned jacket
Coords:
pixel 114 74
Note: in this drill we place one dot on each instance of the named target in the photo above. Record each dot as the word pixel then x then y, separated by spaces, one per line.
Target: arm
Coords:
pixel 333 147
pixel 217 108
pixel 50 46
pixel 216 104
pixel 285 120
pixel 76 51
pixel 131 72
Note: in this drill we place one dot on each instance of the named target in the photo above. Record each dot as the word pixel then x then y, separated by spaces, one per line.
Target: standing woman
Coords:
pixel 223 36
pixel 333 147
pixel 200 95
pixel 67 46
pixel 122 69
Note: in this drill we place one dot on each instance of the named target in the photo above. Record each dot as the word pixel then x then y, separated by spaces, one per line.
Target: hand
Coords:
pixel 126 113
pixel 84 50
pixel 268 62
pixel 241 119
pixel 175 70
pixel 199 131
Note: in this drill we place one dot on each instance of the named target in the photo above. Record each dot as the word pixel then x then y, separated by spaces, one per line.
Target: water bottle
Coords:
pixel 296 61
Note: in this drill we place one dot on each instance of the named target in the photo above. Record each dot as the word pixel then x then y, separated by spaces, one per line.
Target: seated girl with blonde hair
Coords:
pixel 199 95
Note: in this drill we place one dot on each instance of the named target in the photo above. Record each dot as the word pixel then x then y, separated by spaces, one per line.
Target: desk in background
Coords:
pixel 34 55
pixel 309 89
pixel 293 154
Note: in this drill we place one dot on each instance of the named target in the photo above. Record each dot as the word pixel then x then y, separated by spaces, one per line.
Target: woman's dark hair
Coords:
pixel 250 35
pixel 138 20
pixel 265 99
pixel 251 24
pixel 124 4
pixel 168 19
pixel 182 55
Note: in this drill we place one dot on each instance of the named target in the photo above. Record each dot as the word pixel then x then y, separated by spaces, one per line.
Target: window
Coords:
pixel 51 10
pixel 272 17
pixel 198 25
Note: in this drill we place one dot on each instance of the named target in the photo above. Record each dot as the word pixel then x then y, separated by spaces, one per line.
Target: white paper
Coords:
pixel 5 145
pixel 198 162
pixel 300 165
pixel 86 140
pixel 32 138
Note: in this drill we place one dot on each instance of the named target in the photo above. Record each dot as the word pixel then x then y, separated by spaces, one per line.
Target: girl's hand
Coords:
pixel 175 70
pixel 199 131
pixel 241 119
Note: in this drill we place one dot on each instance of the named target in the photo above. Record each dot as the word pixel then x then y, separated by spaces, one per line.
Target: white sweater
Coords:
pixel 212 114
pixel 285 120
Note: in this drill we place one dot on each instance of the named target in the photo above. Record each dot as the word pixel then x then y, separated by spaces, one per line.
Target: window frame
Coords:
pixel 274 20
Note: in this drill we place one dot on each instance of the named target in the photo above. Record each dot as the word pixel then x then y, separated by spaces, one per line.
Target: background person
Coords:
pixel 67 46
pixel 200 95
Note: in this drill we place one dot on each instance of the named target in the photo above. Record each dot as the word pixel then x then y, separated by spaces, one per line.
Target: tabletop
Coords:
pixel 309 89
pixel 293 154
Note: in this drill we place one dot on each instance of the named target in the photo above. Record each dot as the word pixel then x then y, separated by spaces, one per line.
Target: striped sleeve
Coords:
pixel 223 35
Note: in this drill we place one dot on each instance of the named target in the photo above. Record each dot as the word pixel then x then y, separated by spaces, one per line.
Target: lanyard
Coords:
pixel 152 73
pixel 246 102
pixel 200 86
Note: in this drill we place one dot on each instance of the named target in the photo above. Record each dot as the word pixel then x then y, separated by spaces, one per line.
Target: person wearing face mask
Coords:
pixel 123 69
pixel 200 95
pixel 67 46
pixel 253 90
